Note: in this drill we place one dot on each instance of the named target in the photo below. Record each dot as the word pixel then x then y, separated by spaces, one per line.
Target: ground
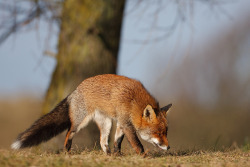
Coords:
pixel 37 157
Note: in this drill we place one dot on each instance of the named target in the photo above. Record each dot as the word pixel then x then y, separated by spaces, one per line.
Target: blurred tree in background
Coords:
pixel 89 35
pixel 88 45
pixel 88 41
pixel 88 38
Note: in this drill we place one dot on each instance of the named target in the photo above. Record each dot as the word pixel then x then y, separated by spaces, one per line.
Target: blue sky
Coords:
pixel 25 68
pixel 149 62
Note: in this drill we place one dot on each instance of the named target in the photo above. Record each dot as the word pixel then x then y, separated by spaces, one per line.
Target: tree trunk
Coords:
pixel 88 45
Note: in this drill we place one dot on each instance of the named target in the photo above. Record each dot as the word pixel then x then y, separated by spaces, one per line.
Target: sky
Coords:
pixel 143 54
pixel 24 67
pixel 152 60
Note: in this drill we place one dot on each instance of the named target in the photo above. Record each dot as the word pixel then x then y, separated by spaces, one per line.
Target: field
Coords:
pixel 196 139
pixel 97 158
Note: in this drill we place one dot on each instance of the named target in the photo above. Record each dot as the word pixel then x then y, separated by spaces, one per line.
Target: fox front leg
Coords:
pixel 104 124
pixel 133 139
pixel 119 135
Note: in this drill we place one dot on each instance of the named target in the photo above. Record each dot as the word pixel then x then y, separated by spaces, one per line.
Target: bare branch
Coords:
pixel 19 16
pixel 184 12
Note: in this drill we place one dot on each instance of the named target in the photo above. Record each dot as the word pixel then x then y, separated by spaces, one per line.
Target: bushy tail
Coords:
pixel 46 127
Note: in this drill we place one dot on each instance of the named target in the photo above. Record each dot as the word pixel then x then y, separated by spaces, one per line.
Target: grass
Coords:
pixel 37 157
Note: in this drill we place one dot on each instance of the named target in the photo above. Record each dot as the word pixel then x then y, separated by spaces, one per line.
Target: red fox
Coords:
pixel 103 98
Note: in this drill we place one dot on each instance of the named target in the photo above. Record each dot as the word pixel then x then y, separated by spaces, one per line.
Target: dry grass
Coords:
pixel 36 157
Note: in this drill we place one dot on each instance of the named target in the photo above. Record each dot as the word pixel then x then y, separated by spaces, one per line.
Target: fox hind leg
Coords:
pixel 68 139
pixel 75 128
pixel 104 123
pixel 79 117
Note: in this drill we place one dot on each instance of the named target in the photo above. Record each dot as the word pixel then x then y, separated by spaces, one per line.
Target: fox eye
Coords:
pixel 160 134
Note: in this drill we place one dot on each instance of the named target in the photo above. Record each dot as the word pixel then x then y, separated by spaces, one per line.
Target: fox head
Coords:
pixel 154 127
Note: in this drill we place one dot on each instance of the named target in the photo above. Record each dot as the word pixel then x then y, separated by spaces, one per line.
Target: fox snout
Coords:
pixel 161 143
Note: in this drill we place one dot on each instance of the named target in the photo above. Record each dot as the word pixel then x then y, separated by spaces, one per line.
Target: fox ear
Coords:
pixel 166 108
pixel 149 113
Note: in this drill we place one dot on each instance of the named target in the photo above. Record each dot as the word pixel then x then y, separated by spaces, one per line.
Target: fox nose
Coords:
pixel 168 147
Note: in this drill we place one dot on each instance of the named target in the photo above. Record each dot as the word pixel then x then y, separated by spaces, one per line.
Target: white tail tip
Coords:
pixel 16 145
